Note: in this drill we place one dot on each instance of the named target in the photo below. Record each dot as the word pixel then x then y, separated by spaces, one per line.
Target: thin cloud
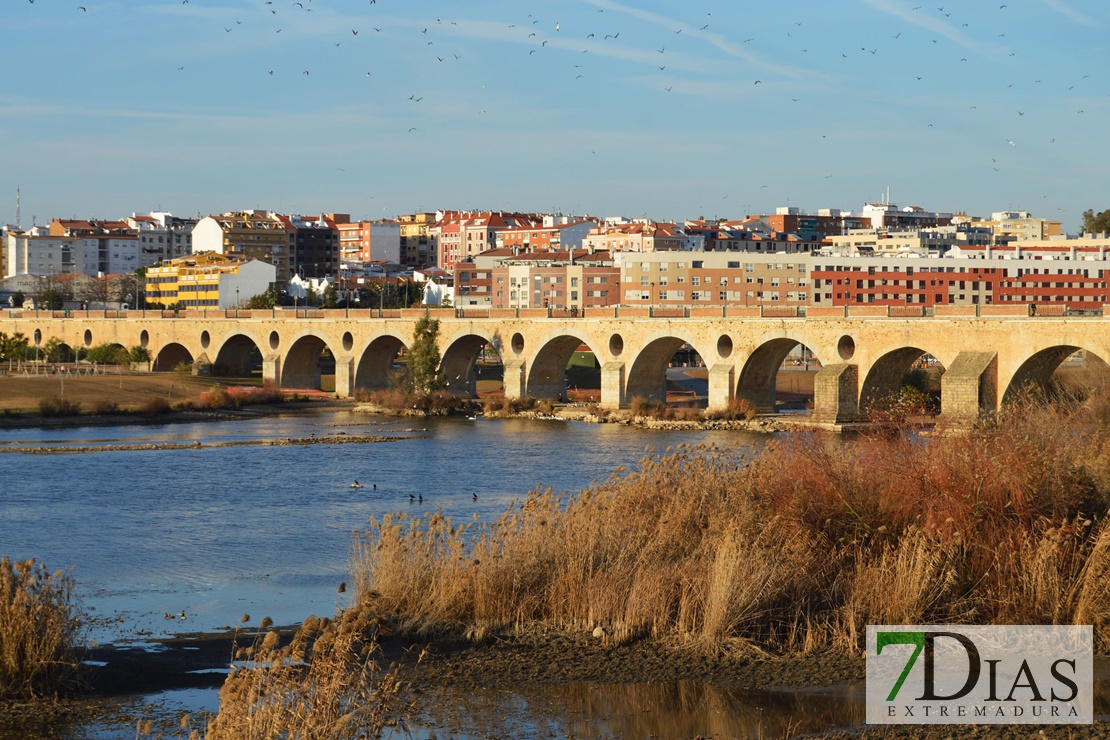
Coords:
pixel 1064 9
pixel 59 110
pixel 724 44
pixel 903 11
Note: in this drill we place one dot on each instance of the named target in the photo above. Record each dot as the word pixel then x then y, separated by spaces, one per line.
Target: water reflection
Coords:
pixel 679 709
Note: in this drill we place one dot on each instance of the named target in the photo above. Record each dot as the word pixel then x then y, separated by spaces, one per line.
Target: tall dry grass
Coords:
pixel 39 630
pixel 799 546
pixel 325 683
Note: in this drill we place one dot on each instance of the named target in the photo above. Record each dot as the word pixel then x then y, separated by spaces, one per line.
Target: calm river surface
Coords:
pixel 219 532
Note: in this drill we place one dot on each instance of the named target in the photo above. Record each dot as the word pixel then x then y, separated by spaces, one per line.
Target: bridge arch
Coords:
pixel 647 375
pixel 546 377
pixel 460 358
pixel 170 356
pixel 1037 370
pixel 308 358
pixel 884 380
pixel 239 356
pixel 758 380
pixel 374 366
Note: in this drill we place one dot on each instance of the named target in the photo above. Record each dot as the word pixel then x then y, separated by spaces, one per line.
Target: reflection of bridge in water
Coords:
pixel 863 358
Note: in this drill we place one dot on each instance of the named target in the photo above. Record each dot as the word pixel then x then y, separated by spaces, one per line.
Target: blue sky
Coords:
pixel 707 108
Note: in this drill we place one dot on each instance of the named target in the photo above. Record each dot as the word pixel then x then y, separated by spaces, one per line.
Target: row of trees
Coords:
pixel 17 348
pixel 57 289
pixel 376 295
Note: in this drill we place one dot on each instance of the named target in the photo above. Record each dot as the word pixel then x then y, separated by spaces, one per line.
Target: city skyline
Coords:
pixel 609 108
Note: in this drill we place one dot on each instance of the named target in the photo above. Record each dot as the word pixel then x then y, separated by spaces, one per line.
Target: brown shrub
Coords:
pixel 154 406
pixel 103 407
pixel 39 628
pixel 58 406
pixel 217 398
pixel 738 409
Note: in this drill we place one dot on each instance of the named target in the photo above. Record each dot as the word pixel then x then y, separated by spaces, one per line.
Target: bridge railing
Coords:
pixel 993 310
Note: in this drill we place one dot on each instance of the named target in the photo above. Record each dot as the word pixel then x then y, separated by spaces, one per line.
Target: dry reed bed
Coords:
pixel 39 630
pixel 325 683
pixel 798 547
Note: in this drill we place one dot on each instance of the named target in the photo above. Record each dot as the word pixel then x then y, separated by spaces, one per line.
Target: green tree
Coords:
pixel 330 298
pixel 108 354
pixel 1096 223
pixel 55 350
pixel 423 374
pixel 138 354
pixel 17 299
pixel 13 348
pixel 265 300
pixel 52 299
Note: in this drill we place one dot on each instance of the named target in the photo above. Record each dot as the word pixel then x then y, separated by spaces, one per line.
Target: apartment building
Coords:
pixel 462 235
pixel 208 280
pixel 641 236
pixel 258 235
pixel 1037 272
pixel 725 238
pixel 559 280
pixel 367 241
pixel 934 241
pixel 713 279
pixel 546 237
pixel 162 236
pixel 419 247
pixel 1020 226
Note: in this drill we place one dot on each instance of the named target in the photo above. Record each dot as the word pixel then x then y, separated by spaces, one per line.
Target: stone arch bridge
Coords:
pixel 864 354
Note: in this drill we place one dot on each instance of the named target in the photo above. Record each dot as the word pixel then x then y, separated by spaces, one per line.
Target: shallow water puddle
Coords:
pixel 676 709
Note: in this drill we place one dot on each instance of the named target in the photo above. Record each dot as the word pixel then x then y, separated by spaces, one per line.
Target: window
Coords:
pixel 695 280
pixel 734 265
pixel 574 282
pixel 696 264
pixel 662 267
pixel 662 295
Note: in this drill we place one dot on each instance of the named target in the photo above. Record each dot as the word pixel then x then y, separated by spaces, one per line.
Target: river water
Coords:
pixel 219 532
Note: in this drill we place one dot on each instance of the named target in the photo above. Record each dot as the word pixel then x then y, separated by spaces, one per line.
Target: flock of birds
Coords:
pixel 413 498
pixel 533 36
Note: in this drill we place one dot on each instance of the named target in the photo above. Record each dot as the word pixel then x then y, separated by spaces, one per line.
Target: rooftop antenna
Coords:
pixel 18 215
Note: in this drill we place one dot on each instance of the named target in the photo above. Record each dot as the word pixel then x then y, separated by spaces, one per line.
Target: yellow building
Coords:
pixel 1021 225
pixel 208 280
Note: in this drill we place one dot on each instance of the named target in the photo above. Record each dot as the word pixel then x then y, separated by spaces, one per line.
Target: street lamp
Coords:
pixel 236 301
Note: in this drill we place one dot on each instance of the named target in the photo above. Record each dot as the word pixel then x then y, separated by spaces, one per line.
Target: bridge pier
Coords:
pixel 344 376
pixel 271 370
pixel 612 385
pixel 513 381
pixel 836 394
pixel 969 387
pixel 722 382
